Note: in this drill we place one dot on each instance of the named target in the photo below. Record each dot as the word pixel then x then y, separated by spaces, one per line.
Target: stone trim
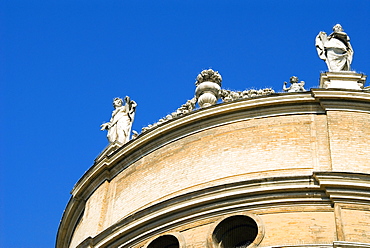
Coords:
pixel 335 244
pixel 345 187
pixel 343 244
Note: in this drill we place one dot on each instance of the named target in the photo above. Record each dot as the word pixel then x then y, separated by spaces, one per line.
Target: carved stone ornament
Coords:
pixel 295 86
pixel 184 109
pixel 208 88
pixel 119 126
pixel 335 49
pixel 207 93
pixel 209 76
pixel 229 95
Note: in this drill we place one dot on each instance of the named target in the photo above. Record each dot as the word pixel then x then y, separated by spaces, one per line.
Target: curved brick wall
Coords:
pixel 297 163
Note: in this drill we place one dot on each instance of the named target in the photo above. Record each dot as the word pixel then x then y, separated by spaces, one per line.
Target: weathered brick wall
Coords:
pixel 271 146
pixel 355 221
pixel 255 148
pixel 292 228
pixel 349 140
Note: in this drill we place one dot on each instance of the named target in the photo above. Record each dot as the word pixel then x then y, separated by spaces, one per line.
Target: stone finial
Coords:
pixel 208 88
pixel 207 93
pixel 335 49
pixel 294 85
pixel 119 126
pixel 209 76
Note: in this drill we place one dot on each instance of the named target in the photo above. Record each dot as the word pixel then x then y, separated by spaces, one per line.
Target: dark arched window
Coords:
pixel 165 241
pixel 236 231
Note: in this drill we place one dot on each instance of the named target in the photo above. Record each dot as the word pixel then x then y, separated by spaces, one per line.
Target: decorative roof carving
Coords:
pixel 207 93
pixel 295 86
pixel 226 96
pixel 209 76
pixel 229 95
pixel 184 109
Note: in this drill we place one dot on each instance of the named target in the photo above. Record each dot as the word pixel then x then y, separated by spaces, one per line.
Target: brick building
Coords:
pixel 277 170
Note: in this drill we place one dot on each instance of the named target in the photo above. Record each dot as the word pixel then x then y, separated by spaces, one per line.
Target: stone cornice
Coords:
pixel 341 187
pixel 113 161
pixel 356 100
pixel 115 158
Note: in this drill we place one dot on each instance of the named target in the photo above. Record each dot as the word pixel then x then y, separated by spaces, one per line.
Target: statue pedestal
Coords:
pixel 342 80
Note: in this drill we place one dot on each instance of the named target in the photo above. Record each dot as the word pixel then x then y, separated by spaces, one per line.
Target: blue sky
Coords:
pixel 62 63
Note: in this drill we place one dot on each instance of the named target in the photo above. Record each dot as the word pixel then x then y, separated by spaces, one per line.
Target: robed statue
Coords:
pixel 119 126
pixel 335 49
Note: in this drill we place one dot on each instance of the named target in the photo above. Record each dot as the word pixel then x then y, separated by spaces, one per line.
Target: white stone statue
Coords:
pixel 335 49
pixel 119 126
pixel 294 85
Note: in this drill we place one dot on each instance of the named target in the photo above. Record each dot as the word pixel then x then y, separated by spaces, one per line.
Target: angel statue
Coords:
pixel 295 86
pixel 335 49
pixel 119 126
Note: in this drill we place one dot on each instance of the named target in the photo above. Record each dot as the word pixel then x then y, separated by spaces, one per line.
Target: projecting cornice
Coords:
pixel 330 99
pixel 317 101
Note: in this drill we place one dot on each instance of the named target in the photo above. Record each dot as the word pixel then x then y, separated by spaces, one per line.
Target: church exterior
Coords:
pixel 260 169
pixel 274 170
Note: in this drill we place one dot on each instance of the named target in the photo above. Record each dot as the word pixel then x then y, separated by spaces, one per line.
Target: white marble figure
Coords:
pixel 335 49
pixel 119 126
pixel 294 85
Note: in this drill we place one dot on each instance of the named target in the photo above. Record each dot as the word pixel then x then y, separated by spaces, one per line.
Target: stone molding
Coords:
pixel 335 184
pixel 343 244
pixel 236 198
pixel 335 244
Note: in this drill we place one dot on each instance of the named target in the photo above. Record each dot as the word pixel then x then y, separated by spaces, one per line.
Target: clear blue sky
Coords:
pixel 62 62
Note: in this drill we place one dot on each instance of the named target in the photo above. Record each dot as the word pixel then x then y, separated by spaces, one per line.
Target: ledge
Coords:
pixel 115 158
pixel 111 163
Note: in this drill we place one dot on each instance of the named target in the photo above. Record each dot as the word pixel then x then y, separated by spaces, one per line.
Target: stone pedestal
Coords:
pixel 342 80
